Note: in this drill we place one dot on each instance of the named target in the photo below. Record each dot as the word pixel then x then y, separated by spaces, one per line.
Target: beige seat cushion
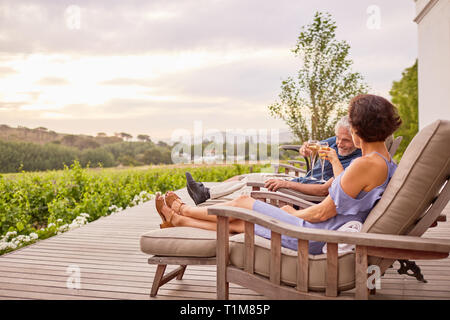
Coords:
pixel 317 264
pixel 179 242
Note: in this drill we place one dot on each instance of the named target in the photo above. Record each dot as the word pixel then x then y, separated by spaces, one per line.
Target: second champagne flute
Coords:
pixel 323 146
pixel 314 147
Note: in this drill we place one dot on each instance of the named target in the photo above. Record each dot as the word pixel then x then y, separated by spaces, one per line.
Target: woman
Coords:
pixel 353 193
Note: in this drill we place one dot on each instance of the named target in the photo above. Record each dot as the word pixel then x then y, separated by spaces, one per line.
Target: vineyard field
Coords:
pixel 38 205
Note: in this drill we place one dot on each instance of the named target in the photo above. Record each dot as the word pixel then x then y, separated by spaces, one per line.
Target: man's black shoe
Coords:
pixel 198 192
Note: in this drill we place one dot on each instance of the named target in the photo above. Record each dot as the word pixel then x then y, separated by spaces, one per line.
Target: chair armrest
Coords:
pixel 301 195
pixel 292 147
pixel 292 168
pixel 356 238
pixel 301 163
pixel 256 184
pixel 297 149
pixel 281 197
pixel 261 184
pixel 295 194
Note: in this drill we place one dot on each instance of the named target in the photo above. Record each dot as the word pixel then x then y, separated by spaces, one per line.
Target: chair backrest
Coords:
pixel 393 144
pixel 423 170
pixel 389 140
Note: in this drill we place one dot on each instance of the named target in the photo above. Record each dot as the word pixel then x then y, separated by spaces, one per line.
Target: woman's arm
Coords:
pixel 352 182
pixel 317 213
pixel 332 156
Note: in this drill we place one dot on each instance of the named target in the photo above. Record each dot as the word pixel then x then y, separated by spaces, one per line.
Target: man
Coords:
pixel 342 143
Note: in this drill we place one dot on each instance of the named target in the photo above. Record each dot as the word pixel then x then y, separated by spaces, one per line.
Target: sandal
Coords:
pixel 159 204
pixel 170 198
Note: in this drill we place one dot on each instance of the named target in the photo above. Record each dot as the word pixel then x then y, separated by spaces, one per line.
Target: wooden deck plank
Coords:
pixel 113 267
pixel 196 285
pixel 102 286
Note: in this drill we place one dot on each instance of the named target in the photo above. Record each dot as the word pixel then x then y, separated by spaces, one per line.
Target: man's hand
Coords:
pixel 304 150
pixel 275 184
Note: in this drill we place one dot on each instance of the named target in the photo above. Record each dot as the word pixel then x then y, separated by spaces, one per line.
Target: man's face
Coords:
pixel 344 142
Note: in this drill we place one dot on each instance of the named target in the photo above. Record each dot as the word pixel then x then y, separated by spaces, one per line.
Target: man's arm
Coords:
pixel 310 189
pixel 353 181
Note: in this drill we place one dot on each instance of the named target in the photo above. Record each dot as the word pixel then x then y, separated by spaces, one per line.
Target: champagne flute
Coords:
pixel 314 147
pixel 323 146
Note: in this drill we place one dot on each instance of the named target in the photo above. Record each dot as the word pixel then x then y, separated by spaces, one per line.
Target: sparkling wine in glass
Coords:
pixel 323 146
pixel 313 146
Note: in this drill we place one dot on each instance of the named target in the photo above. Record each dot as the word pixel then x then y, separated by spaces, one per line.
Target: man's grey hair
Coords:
pixel 343 122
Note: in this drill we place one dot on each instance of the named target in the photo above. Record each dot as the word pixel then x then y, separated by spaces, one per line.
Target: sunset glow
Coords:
pixel 155 66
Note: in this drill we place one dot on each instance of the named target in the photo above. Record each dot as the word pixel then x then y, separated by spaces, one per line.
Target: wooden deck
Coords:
pixel 112 266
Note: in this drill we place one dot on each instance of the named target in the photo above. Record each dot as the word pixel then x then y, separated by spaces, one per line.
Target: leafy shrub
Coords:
pixel 47 203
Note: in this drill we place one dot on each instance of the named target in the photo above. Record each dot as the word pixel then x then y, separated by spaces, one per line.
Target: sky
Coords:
pixel 155 67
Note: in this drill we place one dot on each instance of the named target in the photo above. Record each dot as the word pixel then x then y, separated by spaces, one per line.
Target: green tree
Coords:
pixel 144 137
pixel 404 95
pixel 312 103
pixel 126 136
pixel 96 157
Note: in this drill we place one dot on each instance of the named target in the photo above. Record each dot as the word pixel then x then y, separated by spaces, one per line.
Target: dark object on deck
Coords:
pixel 407 265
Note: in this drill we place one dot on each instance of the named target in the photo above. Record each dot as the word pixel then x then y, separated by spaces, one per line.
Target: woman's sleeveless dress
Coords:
pixel 347 208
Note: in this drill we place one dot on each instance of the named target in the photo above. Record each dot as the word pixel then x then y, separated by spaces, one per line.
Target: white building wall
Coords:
pixel 434 61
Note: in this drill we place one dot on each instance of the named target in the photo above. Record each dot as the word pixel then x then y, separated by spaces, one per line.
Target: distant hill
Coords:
pixel 42 136
pixel 41 149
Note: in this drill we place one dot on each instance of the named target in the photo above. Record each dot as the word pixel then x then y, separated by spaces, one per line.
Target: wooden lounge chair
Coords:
pixel 412 202
pixel 189 246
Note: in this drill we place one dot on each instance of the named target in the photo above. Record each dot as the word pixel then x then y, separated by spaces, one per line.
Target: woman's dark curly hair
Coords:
pixel 372 117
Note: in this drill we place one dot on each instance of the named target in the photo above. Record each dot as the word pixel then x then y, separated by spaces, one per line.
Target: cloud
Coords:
pixel 152 66
pixel 11 106
pixel 134 27
pixel 128 82
pixel 6 71
pixel 255 76
pixel 52 81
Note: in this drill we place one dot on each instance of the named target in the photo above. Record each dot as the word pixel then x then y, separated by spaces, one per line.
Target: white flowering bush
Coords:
pixel 11 241
pixel 114 209
pixel 141 198
pixel 138 199
pixel 43 204
pixel 82 219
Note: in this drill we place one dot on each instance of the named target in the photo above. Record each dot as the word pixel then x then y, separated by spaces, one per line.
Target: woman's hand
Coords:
pixel 331 155
pixel 275 184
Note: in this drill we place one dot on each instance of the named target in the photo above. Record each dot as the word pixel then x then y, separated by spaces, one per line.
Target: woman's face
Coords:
pixel 356 138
